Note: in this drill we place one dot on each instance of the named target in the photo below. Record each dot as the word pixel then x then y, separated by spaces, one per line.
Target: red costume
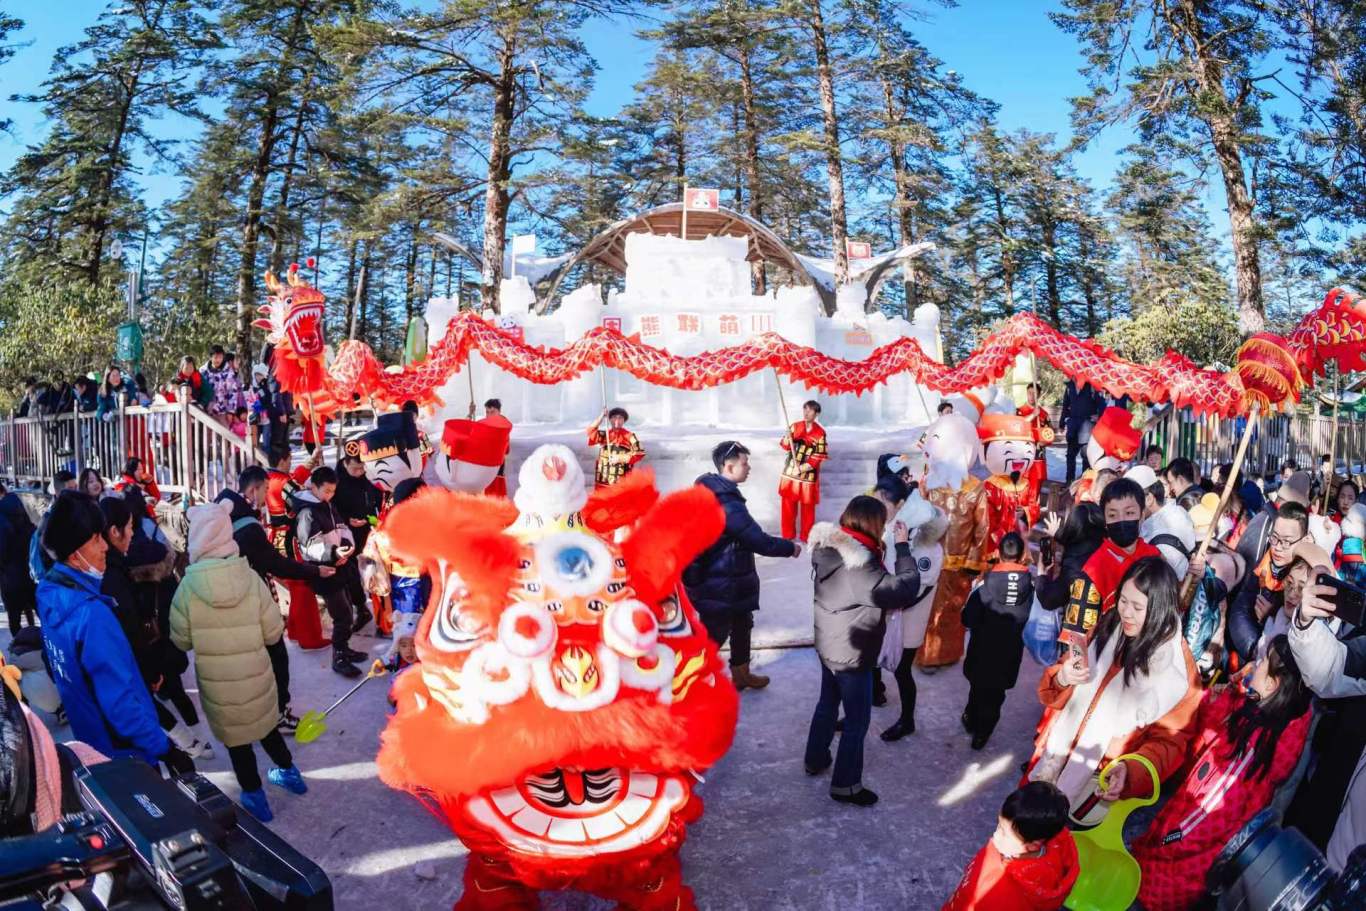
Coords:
pixel 1095 590
pixel 1009 449
pixel 1114 443
pixel 1217 798
pixel 566 691
pixel 1037 416
pixel 993 882
pixel 302 623
pixel 800 484
pixel 150 492
pixel 619 452
pixel 498 487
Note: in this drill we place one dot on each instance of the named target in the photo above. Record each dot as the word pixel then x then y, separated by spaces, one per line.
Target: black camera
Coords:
pixel 176 843
pixel 1267 868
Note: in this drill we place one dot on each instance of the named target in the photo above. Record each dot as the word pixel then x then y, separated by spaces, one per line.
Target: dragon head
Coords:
pixel 293 316
pixel 566 690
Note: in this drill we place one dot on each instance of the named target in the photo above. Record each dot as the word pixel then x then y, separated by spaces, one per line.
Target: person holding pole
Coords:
pixel 619 449
pixel 800 484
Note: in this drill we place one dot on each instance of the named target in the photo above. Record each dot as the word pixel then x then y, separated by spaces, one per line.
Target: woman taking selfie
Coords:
pixel 853 592
pixel 1134 691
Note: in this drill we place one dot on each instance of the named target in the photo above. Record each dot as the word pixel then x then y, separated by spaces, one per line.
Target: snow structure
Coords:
pixel 691 296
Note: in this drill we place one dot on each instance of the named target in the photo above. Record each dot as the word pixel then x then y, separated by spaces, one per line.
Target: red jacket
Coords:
pixel 1094 591
pixel 993 883
pixel 1217 799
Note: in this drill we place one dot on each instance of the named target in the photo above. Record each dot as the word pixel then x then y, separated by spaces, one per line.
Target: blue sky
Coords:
pixel 1007 50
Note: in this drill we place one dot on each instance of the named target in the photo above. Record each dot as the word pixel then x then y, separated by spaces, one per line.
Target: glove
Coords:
pixel 177 761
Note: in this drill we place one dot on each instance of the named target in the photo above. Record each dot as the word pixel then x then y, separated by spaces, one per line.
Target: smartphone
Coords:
pixel 1046 550
pixel 1075 641
pixel 1349 602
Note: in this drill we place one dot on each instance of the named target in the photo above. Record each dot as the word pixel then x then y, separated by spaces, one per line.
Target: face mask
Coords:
pixel 1251 694
pixel 1225 525
pixel 1124 534
pixel 92 572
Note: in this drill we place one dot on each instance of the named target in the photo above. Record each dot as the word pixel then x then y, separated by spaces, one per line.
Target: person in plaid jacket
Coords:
pixel 800 484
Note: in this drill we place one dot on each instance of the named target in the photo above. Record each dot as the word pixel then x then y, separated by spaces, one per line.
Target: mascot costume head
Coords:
pixel 390 452
pixel 567 695
pixel 469 454
pixel 1010 443
pixel 1114 441
pixel 951 450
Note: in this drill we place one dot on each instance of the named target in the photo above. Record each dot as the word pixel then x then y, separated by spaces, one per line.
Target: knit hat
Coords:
pixel 211 531
pixel 1252 497
pixel 72 521
pixel 1142 475
pixel 1295 489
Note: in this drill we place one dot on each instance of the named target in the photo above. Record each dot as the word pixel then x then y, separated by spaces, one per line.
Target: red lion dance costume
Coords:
pixel 567 694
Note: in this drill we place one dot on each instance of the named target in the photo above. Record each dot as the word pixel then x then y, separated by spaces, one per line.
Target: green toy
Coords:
pixel 1109 876
pixel 314 724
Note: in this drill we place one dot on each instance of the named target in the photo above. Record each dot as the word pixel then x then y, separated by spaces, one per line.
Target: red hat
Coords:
pixel 997 427
pixel 1116 434
pixel 475 442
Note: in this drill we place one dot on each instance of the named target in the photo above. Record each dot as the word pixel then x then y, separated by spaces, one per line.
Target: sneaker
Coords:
pixel 860 798
pixel 255 803
pixel 355 656
pixel 363 618
pixel 289 779
pixel 898 730
pixel 979 741
pixel 342 666
pixel 289 722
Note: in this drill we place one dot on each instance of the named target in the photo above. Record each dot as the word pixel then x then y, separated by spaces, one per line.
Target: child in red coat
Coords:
pixel 1030 864
pixel 1248 741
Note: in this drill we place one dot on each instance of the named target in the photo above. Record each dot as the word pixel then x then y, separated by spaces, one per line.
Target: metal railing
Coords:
pixel 190 453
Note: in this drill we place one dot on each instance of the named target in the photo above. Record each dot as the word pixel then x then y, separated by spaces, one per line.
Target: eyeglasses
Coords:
pixel 1278 541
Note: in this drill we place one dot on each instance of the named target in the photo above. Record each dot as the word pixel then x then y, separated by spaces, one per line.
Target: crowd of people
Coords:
pixel 1218 678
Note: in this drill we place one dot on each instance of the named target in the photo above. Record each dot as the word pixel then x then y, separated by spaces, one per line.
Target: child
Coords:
pixel 995 612
pixel 238 423
pixel 1351 562
pixel 325 539
pixel 1030 864
pixel 225 614
pixel 403 586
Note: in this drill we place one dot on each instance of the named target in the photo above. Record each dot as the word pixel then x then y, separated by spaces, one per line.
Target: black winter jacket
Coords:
pixel 319 530
pixel 853 592
pixel 1053 593
pixel 723 577
pixel 16 533
pixel 253 544
pixel 996 612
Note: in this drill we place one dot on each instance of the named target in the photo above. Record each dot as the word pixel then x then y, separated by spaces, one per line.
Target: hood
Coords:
pixel 1049 878
pixel 211 532
pixel 721 487
pixel 220 582
pixel 307 496
pixel 830 545
pixel 240 508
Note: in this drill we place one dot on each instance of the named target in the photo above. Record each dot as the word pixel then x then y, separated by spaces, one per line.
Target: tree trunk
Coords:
pixel 755 204
pixel 1007 261
pixel 410 277
pixel 99 226
pixel 1088 284
pixel 834 167
pixel 359 327
pixel 900 196
pixel 496 197
pixel 349 315
pixel 277 244
pixel 1050 267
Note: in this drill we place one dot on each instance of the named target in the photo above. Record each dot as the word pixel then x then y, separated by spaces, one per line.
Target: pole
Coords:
pixel 602 380
pixel 782 402
pixel 1333 440
pixel 1187 584
pixel 469 372
pixel 683 231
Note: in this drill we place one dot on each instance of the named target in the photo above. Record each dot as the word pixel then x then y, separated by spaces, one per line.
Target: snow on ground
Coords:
pixel 771 838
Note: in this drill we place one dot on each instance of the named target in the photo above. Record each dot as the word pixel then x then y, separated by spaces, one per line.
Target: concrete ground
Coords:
pixel 771 838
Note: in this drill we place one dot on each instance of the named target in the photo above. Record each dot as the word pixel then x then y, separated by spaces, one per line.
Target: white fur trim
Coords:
pixel 828 534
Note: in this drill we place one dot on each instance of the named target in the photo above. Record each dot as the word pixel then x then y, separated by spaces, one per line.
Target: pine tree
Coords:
pixel 1195 86
pixel 8 25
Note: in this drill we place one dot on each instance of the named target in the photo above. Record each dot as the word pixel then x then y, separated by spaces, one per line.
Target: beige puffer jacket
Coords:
pixel 224 613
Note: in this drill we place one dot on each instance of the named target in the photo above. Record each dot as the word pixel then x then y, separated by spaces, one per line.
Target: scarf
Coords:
pixel 874 546
pixel 1266 574
pixel 1105 709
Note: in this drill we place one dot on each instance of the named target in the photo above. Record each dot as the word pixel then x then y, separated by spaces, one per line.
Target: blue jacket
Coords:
pixel 723 577
pixel 94 670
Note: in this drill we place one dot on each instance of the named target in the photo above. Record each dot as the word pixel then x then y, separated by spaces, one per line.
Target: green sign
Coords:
pixel 128 344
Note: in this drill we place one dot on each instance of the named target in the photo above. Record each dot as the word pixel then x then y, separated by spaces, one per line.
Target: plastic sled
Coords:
pixel 1109 876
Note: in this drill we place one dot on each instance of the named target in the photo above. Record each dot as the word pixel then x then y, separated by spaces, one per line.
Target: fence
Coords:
pixel 191 454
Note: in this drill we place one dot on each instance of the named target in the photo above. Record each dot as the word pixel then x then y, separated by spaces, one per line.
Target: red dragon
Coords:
pixel 1270 371
pixel 566 696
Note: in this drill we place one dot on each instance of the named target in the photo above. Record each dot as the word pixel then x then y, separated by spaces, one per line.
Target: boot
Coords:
pixel 743 678
pixel 344 667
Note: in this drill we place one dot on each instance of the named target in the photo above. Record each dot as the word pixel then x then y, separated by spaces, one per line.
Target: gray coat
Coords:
pixel 853 592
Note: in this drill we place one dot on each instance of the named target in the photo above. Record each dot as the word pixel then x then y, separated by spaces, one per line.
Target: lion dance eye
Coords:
pixel 572 563
pixel 630 629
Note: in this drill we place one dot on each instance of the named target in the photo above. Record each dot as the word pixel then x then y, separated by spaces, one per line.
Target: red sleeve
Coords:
pixel 594 436
pixel 1052 694
pixel 300 475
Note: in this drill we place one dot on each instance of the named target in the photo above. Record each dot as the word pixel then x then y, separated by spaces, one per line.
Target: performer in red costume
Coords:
pixel 1012 499
pixel 304 623
pixel 800 484
pixel 493 416
pixel 566 697
pixel 1037 414
pixel 1114 443
pixel 619 449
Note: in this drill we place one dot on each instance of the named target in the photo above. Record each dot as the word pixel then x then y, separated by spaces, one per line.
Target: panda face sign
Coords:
pixel 1008 456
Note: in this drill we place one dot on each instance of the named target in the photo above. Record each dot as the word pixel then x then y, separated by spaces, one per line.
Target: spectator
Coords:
pixel 87 395
pixel 138 480
pixel 224 385
pixel 1261 593
pixel 1166 525
pixel 1074 541
pixel 137 615
pixel 1080 408
pixel 325 540
pixel 60 398
pixel 189 375
pixel 1255 539
pixel 853 592
pixel 1350 561
pixel 722 582
pixel 90 660
pixel 249 535
pixel 359 502
pixel 239 424
pixel 1332 657
pixel 944 408
pixel 1288 468
pixel 27 402
pixel 62 480
pixel 17 589
pixel 1152 457
pixel 1346 499
pixel 1247 741
pixel 1182 482
pixel 114 390
pixel 1135 691
pixel 226 615
pixel 90 483
pixel 1030 863
pixel 996 612
pixel 1121 505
